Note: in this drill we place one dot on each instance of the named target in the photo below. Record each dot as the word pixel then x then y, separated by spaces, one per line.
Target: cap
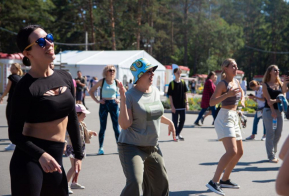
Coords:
pixel 81 108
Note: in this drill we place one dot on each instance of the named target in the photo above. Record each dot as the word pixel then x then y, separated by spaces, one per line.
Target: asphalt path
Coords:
pixel 190 164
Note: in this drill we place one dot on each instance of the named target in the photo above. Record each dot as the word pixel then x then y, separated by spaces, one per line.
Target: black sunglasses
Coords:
pixel 42 41
pixel 111 70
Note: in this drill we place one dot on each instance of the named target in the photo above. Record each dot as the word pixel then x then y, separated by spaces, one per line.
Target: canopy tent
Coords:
pixel 91 63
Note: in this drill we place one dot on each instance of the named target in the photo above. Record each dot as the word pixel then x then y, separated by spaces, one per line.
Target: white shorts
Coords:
pixel 227 124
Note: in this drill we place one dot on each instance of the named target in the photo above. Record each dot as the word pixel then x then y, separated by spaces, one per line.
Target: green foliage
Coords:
pixel 196 33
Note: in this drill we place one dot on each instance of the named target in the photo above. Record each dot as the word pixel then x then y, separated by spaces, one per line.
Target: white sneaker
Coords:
pixel 263 138
pixel 76 186
pixel 69 190
pixel 10 147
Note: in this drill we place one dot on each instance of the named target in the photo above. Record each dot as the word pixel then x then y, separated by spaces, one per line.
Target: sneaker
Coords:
pixel 263 138
pixel 100 152
pixel 250 138
pixel 10 147
pixel 229 184
pixel 177 139
pixel 215 187
pixel 275 160
pixel 69 190
pixel 197 124
pixel 181 138
pixel 202 120
pixel 76 186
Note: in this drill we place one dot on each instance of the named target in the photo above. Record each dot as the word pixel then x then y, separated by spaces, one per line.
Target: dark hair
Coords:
pixel 176 69
pixel 210 75
pixel 23 40
pixel 130 81
pixel 78 71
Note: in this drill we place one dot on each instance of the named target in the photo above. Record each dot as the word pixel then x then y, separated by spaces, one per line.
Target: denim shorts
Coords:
pixel 227 124
pixel 79 95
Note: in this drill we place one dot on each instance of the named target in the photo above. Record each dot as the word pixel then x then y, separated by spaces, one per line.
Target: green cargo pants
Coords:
pixel 144 169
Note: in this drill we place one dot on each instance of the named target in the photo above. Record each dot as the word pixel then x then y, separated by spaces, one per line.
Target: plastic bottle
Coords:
pixel 274 123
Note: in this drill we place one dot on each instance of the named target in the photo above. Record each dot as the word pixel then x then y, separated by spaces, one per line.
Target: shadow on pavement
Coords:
pixel 4 140
pixel 189 126
pixel 166 141
pixel 4 143
pixel 239 163
pixel 256 169
pixel 95 154
pixel 3 126
pixel 187 193
pixel 264 181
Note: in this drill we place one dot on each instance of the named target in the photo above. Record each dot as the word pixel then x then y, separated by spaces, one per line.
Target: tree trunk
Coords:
pixel 139 14
pixel 186 9
pixel 92 38
pixel 172 34
pixel 112 25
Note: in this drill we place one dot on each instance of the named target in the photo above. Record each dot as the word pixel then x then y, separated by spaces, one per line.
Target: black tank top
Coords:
pixel 273 95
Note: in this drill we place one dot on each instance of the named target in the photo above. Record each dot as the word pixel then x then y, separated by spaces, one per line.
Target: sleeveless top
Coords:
pixel 273 95
pixel 231 100
pixel 109 90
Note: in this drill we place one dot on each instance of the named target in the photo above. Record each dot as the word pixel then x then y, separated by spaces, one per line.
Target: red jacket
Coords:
pixel 209 89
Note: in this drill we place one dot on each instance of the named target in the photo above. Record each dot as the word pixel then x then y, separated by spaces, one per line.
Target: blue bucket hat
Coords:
pixel 139 67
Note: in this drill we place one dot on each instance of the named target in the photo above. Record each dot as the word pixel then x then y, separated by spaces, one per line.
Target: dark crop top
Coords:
pixel 29 104
pixel 231 100
pixel 273 95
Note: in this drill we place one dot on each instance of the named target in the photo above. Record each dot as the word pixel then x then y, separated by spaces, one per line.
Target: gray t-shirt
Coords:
pixel 147 110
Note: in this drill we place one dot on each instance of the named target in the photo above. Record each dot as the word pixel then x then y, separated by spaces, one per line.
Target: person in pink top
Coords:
pixel 209 89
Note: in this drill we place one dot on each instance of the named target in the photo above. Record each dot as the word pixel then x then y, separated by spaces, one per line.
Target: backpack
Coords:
pixel 102 86
pixel 173 85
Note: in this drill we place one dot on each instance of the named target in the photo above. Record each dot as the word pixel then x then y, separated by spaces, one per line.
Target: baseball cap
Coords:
pixel 81 108
pixel 139 67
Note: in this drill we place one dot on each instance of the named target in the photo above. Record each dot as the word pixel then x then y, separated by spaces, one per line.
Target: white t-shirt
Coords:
pixel 130 85
pixel 244 84
pixel 259 94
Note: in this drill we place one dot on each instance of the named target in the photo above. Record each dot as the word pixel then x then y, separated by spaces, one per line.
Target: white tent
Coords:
pixel 91 63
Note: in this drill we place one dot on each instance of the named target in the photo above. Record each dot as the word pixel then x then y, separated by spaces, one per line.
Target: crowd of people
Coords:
pixel 46 110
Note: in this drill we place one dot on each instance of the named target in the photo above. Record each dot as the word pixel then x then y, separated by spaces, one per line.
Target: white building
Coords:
pixel 91 63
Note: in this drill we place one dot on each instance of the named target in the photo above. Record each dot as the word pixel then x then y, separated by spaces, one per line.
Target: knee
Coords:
pixel 232 152
pixel 240 152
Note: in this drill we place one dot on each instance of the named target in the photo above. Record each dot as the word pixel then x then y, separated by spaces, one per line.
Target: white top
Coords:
pixel 130 85
pixel 259 94
pixel 244 84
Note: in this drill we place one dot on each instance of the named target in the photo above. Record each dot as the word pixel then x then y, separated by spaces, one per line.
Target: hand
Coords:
pixel 271 102
pixel 173 109
pixel 49 164
pixel 122 90
pixel 286 80
pixel 117 101
pixel 187 107
pixel 273 114
pixel 1 100
pixel 243 102
pixel 233 92
pixel 172 130
pixel 92 133
pixel 77 168
pixel 102 101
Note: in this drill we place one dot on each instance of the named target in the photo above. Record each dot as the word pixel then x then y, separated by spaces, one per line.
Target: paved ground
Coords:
pixel 190 164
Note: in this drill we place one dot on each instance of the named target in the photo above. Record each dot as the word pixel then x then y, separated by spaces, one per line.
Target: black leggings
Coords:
pixel 179 124
pixel 27 176
pixel 8 112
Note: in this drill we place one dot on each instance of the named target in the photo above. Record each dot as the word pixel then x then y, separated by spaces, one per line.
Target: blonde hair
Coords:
pixel 226 63
pixel 267 75
pixel 253 83
pixel 18 67
pixel 105 70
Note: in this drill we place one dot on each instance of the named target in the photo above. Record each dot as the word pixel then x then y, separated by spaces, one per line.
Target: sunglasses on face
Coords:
pixel 111 70
pixel 42 41
pixel 276 70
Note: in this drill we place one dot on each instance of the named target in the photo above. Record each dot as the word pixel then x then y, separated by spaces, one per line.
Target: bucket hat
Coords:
pixel 139 67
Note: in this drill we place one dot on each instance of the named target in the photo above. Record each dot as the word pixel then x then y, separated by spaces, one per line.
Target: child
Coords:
pixel 85 137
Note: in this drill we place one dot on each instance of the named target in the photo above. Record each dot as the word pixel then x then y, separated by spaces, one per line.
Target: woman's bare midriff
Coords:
pixel 230 107
pixel 52 131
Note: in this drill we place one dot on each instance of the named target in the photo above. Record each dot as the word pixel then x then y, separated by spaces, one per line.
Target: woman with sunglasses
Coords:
pixel 140 116
pixel 43 108
pixel 272 87
pixel 13 79
pixel 227 125
pixel 108 103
